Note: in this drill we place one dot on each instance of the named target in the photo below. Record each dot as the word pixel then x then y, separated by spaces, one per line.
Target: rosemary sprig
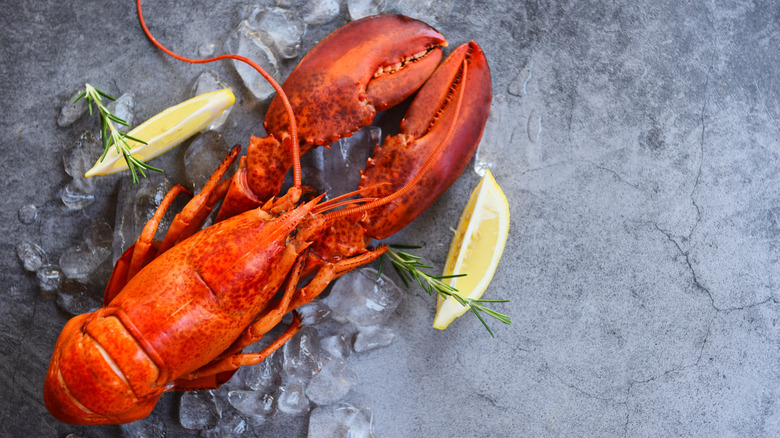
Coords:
pixel 408 267
pixel 110 135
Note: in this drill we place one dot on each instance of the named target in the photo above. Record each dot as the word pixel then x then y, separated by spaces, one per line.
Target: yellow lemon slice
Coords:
pixel 167 130
pixel 476 248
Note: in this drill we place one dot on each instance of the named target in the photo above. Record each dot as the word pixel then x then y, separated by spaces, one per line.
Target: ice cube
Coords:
pixel 199 410
pixel 370 338
pixel 75 298
pixel 49 278
pixel 332 383
pixel 363 299
pixel 363 8
pixel 292 398
pixel 79 261
pixel 279 28
pixel 347 157
pixel 314 313
pixel 77 158
pixel 246 42
pixel 302 354
pixel 206 50
pixel 265 376
pixel 230 425
pixel 99 237
pixel 136 204
pixel 432 12
pixel 31 255
pixel 341 420
pixel 81 154
pixel 124 108
pixel 75 197
pixel 336 346
pixel 72 111
pixel 27 214
pixel 313 170
pixel 256 403
pixel 321 11
pixel 203 156
pixel 207 82
pixel 500 131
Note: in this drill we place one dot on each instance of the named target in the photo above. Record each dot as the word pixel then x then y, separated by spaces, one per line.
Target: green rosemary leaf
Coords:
pixel 110 135
pixel 409 267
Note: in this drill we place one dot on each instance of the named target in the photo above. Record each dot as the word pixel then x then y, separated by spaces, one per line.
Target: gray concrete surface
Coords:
pixel 642 260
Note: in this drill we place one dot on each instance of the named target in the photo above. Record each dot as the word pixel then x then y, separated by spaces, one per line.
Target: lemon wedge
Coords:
pixel 476 248
pixel 167 130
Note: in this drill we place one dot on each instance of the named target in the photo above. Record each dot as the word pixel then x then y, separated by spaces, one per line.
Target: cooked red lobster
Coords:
pixel 178 313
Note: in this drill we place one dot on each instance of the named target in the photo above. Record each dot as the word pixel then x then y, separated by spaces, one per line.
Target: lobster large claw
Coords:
pixel 425 125
pixel 401 158
pixel 366 66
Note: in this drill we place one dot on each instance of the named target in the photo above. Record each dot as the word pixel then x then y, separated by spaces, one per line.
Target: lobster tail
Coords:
pixel 86 385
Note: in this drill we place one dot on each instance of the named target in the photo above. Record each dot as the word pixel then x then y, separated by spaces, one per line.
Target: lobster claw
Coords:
pixel 366 66
pixel 425 125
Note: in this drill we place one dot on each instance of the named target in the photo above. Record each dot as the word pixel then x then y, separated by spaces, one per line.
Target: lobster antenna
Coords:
pixel 428 164
pixel 286 102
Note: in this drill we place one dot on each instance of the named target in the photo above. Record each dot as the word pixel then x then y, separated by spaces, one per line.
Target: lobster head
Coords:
pixel 91 370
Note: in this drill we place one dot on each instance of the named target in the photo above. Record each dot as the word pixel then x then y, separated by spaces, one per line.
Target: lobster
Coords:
pixel 177 314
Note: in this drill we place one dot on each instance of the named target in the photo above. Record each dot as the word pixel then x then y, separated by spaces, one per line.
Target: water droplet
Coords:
pixel 27 214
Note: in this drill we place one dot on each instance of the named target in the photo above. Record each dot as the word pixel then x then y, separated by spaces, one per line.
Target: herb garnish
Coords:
pixel 408 268
pixel 110 135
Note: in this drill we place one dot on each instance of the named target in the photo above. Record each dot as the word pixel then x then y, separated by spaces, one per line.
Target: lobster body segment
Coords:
pixel 177 315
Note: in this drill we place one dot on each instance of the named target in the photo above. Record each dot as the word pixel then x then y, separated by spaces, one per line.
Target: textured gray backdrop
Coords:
pixel 639 142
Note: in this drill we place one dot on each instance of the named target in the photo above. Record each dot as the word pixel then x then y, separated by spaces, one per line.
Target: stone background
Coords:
pixel 639 142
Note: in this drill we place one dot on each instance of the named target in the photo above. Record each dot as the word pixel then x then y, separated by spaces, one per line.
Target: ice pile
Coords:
pixel 320 11
pixel 124 108
pixel 342 420
pixel 363 8
pixel 72 111
pixel 202 158
pixel 77 158
pixel 78 270
pixel 345 158
pixel 311 372
pixel 265 35
pixel 136 204
pixel 313 11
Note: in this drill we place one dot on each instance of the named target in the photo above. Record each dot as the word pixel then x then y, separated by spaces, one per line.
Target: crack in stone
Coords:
pixel 687 256
pixel 616 175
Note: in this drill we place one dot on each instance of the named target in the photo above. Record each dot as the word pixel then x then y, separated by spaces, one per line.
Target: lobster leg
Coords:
pixel 270 318
pixel 329 272
pixel 185 224
pixel 140 253
pixel 200 378
pixel 191 218
pixel 221 369
pixel 304 295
